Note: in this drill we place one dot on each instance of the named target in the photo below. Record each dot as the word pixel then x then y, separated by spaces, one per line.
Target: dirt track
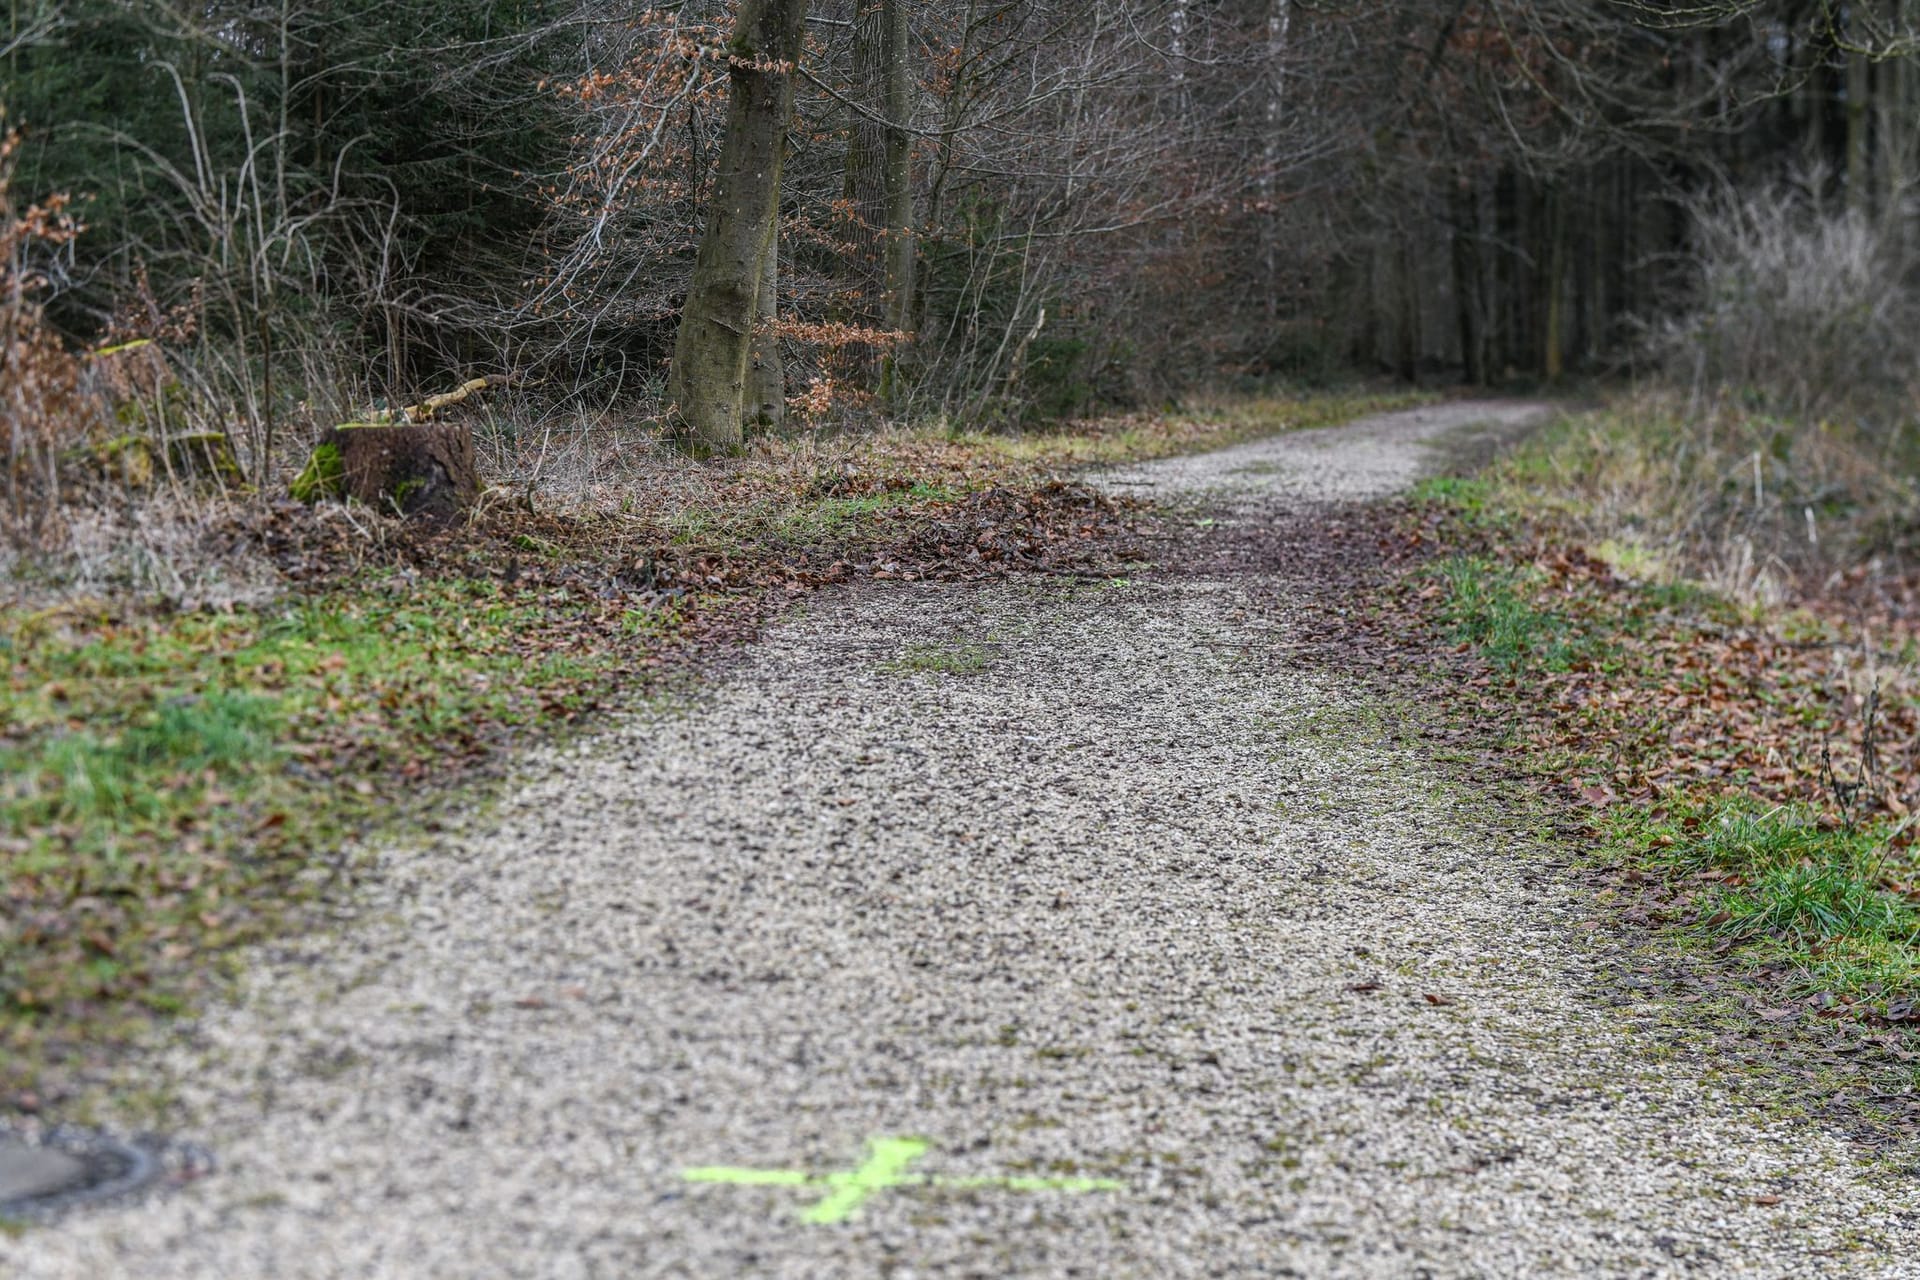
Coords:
pixel 1165 958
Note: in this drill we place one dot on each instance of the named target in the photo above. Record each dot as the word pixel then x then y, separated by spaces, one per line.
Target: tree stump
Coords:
pixel 415 469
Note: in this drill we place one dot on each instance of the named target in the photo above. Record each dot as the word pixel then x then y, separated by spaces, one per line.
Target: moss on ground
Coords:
pixel 953 658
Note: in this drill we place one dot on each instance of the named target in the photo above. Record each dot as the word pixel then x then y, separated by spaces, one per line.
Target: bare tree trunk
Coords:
pixel 1407 305
pixel 1177 40
pixel 1366 348
pixel 1504 287
pixel 950 117
pixel 899 169
pixel 879 181
pixel 1554 333
pixel 766 394
pixel 1467 288
pixel 708 382
pixel 1279 22
pixel 1599 192
pixel 865 184
pixel 1898 120
pixel 1859 103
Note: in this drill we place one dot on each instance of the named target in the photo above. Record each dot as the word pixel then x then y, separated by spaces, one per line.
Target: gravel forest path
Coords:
pixel 1138 951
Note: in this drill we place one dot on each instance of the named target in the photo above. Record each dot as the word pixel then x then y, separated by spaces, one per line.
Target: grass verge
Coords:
pixel 1795 891
pixel 1746 770
pixel 175 784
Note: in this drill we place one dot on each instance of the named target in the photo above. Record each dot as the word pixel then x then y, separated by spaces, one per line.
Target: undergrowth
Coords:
pixel 1796 891
pixel 1489 605
pixel 1743 500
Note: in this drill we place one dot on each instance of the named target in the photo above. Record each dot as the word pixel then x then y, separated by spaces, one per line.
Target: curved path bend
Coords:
pixel 1138 951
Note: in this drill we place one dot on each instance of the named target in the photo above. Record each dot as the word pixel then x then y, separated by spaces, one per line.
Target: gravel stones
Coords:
pixel 1139 900
pixel 1369 458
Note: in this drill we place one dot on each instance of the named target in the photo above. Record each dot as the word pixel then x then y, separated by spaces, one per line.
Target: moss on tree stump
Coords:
pixel 415 469
pixel 127 459
pixel 204 455
pixel 139 461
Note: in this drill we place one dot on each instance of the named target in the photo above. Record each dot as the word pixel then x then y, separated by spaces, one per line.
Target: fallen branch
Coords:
pixel 425 410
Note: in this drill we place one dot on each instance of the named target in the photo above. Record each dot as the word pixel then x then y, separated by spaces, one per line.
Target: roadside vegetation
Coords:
pixel 1727 687
pixel 174 783
pixel 1696 606
pixel 271 282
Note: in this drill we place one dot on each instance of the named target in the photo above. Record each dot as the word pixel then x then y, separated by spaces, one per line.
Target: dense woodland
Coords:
pixel 1004 210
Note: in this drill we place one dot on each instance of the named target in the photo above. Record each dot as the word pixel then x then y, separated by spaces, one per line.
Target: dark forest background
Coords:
pixel 325 205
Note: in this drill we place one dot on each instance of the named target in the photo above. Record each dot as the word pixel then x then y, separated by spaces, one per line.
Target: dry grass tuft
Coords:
pixel 1801 309
pixel 1756 506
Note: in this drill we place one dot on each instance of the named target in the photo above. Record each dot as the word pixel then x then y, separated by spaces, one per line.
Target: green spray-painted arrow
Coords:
pixel 886 1165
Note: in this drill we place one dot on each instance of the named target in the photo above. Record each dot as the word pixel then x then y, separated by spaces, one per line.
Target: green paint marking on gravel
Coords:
pixel 887 1161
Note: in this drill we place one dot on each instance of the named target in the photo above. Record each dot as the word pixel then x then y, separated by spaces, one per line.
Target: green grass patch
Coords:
pixel 1790 888
pixel 1491 605
pixel 1468 495
pixel 825 517
pixel 172 786
pixel 964 658
pixel 778 521
pixel 652 621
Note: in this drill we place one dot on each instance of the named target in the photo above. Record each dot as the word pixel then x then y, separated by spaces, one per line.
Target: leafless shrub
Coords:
pixel 248 349
pixel 1803 309
pixel 268 363
pixel 568 456
pixel 43 399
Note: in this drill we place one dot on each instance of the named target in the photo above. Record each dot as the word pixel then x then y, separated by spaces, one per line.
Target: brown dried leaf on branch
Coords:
pixel 43 399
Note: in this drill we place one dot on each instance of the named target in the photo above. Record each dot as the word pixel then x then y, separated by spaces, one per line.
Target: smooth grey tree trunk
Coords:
pixel 712 352
pixel 766 397
pixel 879 176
